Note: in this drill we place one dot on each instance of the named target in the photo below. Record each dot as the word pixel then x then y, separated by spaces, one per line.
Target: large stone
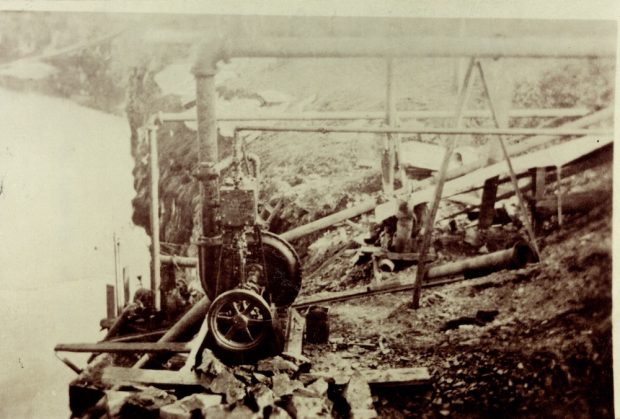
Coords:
pixel 210 365
pixel 261 378
pixel 263 396
pixel 363 414
pixel 243 412
pixel 296 358
pixel 146 404
pixel 115 400
pixel 278 413
pixel 319 387
pixel 276 365
pixel 303 363
pixel 301 407
pixel 283 385
pixel 226 383
pixel 217 412
pixel 244 373
pixel 357 393
pixel 200 401
pixel 183 409
pixel 174 411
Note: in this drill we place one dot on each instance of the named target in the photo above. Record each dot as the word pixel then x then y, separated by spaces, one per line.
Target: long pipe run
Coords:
pixel 376 115
pixel 414 46
pixel 182 261
pixel 428 130
pixel 514 258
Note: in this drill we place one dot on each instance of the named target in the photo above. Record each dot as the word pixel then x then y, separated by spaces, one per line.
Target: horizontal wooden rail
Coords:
pixel 118 347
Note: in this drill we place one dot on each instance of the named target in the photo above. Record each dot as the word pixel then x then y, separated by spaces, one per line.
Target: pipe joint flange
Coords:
pixel 206 171
pixel 210 241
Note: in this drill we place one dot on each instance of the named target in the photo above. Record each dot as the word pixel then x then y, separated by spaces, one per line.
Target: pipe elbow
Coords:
pixel 209 54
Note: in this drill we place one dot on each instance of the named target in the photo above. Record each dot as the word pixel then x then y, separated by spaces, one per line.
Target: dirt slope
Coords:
pixel 535 342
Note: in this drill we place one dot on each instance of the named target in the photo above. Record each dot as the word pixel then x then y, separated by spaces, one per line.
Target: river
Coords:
pixel 66 186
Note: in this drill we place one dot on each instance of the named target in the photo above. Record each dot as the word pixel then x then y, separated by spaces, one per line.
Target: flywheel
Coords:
pixel 239 320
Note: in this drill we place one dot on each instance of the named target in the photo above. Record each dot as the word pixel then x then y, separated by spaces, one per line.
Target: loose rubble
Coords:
pixel 277 387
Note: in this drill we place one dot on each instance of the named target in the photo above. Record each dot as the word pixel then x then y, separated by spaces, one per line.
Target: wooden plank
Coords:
pixel 412 256
pixel 119 347
pixel 487 206
pixel 196 345
pixel 139 336
pixel 110 296
pixel 539 183
pixel 391 377
pixel 122 376
pixel 377 275
pixel 395 377
pixel 560 154
pixel 295 333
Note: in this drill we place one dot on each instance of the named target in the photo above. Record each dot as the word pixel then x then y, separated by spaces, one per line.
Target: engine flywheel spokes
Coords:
pixel 239 320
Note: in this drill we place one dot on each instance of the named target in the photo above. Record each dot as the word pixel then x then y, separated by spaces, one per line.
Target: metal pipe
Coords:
pixel 155 246
pixel 186 325
pixel 385 265
pixel 184 328
pixel 328 221
pixel 418 46
pixel 343 215
pixel 378 115
pixel 182 261
pixel 208 174
pixel 428 130
pixel 516 257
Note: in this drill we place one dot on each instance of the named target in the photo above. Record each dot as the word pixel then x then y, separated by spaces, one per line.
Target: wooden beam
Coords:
pixel 429 223
pixel 110 301
pixel 539 183
pixel 120 347
pixel 295 333
pixel 122 376
pixel 487 206
pixel 139 336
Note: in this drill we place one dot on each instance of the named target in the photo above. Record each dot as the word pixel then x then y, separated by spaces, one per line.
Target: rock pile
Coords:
pixel 278 387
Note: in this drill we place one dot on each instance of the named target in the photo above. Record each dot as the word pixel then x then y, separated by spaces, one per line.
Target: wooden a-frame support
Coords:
pixel 462 99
